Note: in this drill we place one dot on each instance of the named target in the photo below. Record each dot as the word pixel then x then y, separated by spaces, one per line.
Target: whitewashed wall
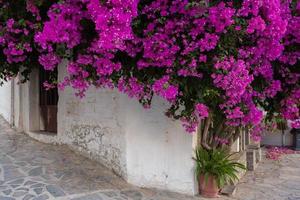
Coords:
pixel 276 138
pixel 143 146
pixel 159 151
pixel 92 126
pixel 5 101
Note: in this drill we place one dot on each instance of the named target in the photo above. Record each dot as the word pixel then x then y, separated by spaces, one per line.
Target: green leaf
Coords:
pixel 217 163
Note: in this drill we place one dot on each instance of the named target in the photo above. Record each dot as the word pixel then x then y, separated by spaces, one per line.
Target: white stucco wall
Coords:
pixel 276 139
pixel 16 105
pixel 143 146
pixel 5 101
pixel 92 126
pixel 159 151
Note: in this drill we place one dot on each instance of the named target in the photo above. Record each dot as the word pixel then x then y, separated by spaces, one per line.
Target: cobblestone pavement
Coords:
pixel 30 170
pixel 272 180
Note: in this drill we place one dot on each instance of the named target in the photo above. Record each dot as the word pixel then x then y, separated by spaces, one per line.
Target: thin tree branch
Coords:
pixel 205 133
pixel 199 134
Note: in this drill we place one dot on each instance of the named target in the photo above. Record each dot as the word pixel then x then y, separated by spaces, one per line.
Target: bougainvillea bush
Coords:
pixel 19 20
pixel 221 65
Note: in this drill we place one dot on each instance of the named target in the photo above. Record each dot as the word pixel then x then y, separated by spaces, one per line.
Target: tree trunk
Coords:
pixel 204 142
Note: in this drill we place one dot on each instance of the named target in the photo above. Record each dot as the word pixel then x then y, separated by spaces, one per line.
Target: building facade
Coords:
pixel 143 146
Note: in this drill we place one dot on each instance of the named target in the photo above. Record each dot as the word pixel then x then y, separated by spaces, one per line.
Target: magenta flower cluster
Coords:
pixel 231 59
pixel 14 48
pixel 163 88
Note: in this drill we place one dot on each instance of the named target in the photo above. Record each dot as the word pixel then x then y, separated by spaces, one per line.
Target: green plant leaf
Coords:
pixel 217 163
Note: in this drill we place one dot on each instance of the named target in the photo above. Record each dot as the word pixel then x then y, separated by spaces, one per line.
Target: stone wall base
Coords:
pixel 254 156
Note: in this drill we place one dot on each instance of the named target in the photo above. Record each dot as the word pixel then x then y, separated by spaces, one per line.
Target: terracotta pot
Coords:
pixel 209 188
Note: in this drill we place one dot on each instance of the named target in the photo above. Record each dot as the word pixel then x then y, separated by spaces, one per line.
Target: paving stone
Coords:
pixel 21 163
pixel 111 194
pixel 22 189
pixel 5 160
pixel 89 197
pixel 7 192
pixel 46 177
pixel 55 191
pixel 120 198
pixel 3 187
pixel 293 198
pixel 19 193
pixel 38 191
pixel 59 174
pixel 41 197
pixel 29 183
pixel 293 185
pixel 36 171
pixel 10 167
pixel 229 190
pixel 135 195
pixel 6 198
pixel 28 197
pixel 16 182
pixel 12 174
pixel 37 185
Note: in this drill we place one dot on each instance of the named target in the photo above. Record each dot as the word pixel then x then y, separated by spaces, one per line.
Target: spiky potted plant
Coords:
pixel 214 169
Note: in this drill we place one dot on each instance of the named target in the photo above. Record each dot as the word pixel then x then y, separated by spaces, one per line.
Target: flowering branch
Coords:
pixel 222 62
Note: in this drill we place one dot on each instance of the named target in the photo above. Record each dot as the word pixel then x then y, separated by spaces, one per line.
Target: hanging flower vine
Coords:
pixel 219 64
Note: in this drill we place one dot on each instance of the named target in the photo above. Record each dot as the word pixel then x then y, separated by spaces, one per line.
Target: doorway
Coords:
pixel 48 103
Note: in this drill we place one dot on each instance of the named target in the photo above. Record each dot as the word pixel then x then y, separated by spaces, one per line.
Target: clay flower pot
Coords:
pixel 215 168
pixel 209 188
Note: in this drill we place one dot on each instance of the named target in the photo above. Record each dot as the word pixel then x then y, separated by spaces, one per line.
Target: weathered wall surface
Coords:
pixel 5 101
pixel 143 146
pixel 159 151
pixel 91 126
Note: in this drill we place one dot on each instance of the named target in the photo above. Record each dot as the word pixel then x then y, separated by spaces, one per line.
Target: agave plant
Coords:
pixel 217 163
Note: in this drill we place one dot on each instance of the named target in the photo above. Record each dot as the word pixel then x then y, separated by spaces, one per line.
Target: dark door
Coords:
pixel 48 104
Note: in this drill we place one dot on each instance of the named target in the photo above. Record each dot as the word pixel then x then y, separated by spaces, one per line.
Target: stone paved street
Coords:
pixel 272 180
pixel 32 170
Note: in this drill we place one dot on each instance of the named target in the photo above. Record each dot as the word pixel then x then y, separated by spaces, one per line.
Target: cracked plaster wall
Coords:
pixel 92 126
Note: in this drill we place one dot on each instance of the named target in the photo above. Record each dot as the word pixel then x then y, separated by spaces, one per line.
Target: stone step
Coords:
pixel 229 190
